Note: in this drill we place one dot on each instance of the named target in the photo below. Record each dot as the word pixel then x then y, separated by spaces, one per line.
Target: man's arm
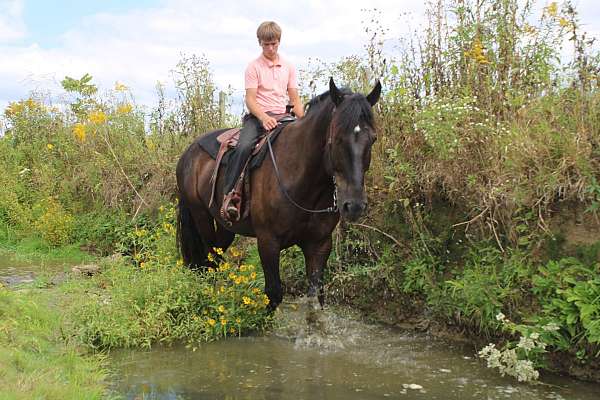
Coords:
pixel 268 122
pixel 295 100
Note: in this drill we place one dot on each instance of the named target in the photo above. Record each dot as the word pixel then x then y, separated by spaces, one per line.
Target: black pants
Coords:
pixel 252 128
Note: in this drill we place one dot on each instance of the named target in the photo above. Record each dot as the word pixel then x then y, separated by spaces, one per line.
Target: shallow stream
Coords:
pixel 338 357
pixel 342 358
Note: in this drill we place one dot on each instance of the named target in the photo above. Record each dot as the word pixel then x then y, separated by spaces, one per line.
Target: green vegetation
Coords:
pixel 35 362
pixel 126 307
pixel 483 190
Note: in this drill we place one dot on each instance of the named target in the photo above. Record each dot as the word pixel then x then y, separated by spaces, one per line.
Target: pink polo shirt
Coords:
pixel 271 81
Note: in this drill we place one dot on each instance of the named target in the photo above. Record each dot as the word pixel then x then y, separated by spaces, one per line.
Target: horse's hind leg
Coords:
pixel 215 236
pixel 223 237
pixel 205 225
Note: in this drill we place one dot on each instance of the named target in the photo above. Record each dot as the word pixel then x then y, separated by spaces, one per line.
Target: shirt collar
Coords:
pixel 270 63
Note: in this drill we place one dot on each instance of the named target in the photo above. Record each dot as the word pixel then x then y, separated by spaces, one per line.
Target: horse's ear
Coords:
pixel 335 93
pixel 373 97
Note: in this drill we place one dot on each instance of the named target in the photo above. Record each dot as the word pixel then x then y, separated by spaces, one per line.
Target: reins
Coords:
pixel 332 209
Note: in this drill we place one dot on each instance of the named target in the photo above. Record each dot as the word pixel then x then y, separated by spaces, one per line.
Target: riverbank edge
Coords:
pixel 38 360
pixel 411 313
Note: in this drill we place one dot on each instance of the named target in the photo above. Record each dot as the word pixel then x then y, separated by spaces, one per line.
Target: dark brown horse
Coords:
pixel 315 161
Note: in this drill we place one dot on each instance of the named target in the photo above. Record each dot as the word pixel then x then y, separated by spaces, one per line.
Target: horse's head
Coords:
pixel 351 137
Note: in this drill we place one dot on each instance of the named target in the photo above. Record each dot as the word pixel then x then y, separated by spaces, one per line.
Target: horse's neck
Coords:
pixel 309 139
pixel 313 138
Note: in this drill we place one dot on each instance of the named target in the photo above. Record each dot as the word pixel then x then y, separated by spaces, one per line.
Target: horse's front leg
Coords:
pixel 316 254
pixel 268 250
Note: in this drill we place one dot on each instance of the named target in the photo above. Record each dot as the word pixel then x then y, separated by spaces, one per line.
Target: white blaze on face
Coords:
pixel 357 129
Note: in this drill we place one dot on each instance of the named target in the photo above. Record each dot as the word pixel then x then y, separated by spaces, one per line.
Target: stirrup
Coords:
pixel 230 208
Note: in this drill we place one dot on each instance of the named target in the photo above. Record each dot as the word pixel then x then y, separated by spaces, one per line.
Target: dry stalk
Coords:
pixel 382 232
pixel 112 152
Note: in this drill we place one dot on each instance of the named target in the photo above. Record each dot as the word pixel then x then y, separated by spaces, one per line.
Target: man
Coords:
pixel 269 81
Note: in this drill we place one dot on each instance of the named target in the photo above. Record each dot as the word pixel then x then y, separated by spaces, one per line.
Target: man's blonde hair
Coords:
pixel 268 31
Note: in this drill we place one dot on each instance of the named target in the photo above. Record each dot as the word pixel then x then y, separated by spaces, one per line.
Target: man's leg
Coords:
pixel 239 155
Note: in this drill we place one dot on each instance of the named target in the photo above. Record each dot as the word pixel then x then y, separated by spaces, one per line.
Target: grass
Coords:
pixel 35 251
pixel 35 360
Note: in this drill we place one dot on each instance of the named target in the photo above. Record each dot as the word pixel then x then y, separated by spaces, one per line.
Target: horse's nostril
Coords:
pixel 346 206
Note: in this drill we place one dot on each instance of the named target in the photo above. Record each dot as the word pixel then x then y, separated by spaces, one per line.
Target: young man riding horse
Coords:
pixel 269 81
pixel 293 197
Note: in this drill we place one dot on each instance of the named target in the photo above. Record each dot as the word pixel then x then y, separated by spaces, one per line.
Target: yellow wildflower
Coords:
pixel 247 300
pixel 210 257
pixel 49 146
pixel 563 22
pixel 253 275
pixel 119 87
pixel 234 252
pixel 232 330
pixel 97 117
pixel 124 108
pixel 238 320
pixel 179 262
pixel 243 268
pixel 476 52
pixel 238 280
pixel 223 321
pixel 232 276
pixel 256 290
pixel 529 29
pixel 161 209
pixel 222 289
pixel 140 232
pixel 14 108
pixel 211 270
pixel 552 9
pixel 218 250
pixel 265 300
pixel 221 308
pixel 79 131
pixel 142 264
pixel 211 322
pixel 224 267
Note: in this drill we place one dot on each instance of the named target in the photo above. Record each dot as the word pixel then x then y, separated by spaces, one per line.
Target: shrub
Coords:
pixel 138 307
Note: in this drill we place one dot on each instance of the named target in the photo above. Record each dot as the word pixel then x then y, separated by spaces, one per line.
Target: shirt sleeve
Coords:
pixel 292 81
pixel 251 77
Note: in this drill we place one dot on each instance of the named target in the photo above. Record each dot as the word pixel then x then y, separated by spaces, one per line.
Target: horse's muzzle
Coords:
pixel 353 209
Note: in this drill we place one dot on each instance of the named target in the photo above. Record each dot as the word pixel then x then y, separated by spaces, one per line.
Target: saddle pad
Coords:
pixel 210 144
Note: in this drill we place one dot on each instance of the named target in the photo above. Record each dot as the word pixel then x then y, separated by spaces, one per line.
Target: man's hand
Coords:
pixel 268 122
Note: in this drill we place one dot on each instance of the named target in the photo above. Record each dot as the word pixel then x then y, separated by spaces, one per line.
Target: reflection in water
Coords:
pixel 14 272
pixel 339 357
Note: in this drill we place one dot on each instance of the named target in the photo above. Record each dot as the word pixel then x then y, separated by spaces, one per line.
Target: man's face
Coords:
pixel 270 48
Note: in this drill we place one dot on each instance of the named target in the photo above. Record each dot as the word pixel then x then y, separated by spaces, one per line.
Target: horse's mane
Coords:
pixel 349 113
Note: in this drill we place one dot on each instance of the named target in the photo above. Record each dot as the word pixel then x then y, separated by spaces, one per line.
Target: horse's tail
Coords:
pixel 192 247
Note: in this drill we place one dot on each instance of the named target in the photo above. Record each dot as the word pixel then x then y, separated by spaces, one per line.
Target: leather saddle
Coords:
pixel 228 140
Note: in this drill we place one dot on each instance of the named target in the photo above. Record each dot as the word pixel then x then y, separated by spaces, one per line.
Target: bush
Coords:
pixel 139 307
pixel 54 224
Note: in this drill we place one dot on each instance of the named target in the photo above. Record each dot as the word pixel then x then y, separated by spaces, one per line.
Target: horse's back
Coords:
pixel 193 172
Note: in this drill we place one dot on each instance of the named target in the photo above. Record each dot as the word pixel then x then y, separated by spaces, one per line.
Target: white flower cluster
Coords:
pixel 508 363
pixel 507 360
